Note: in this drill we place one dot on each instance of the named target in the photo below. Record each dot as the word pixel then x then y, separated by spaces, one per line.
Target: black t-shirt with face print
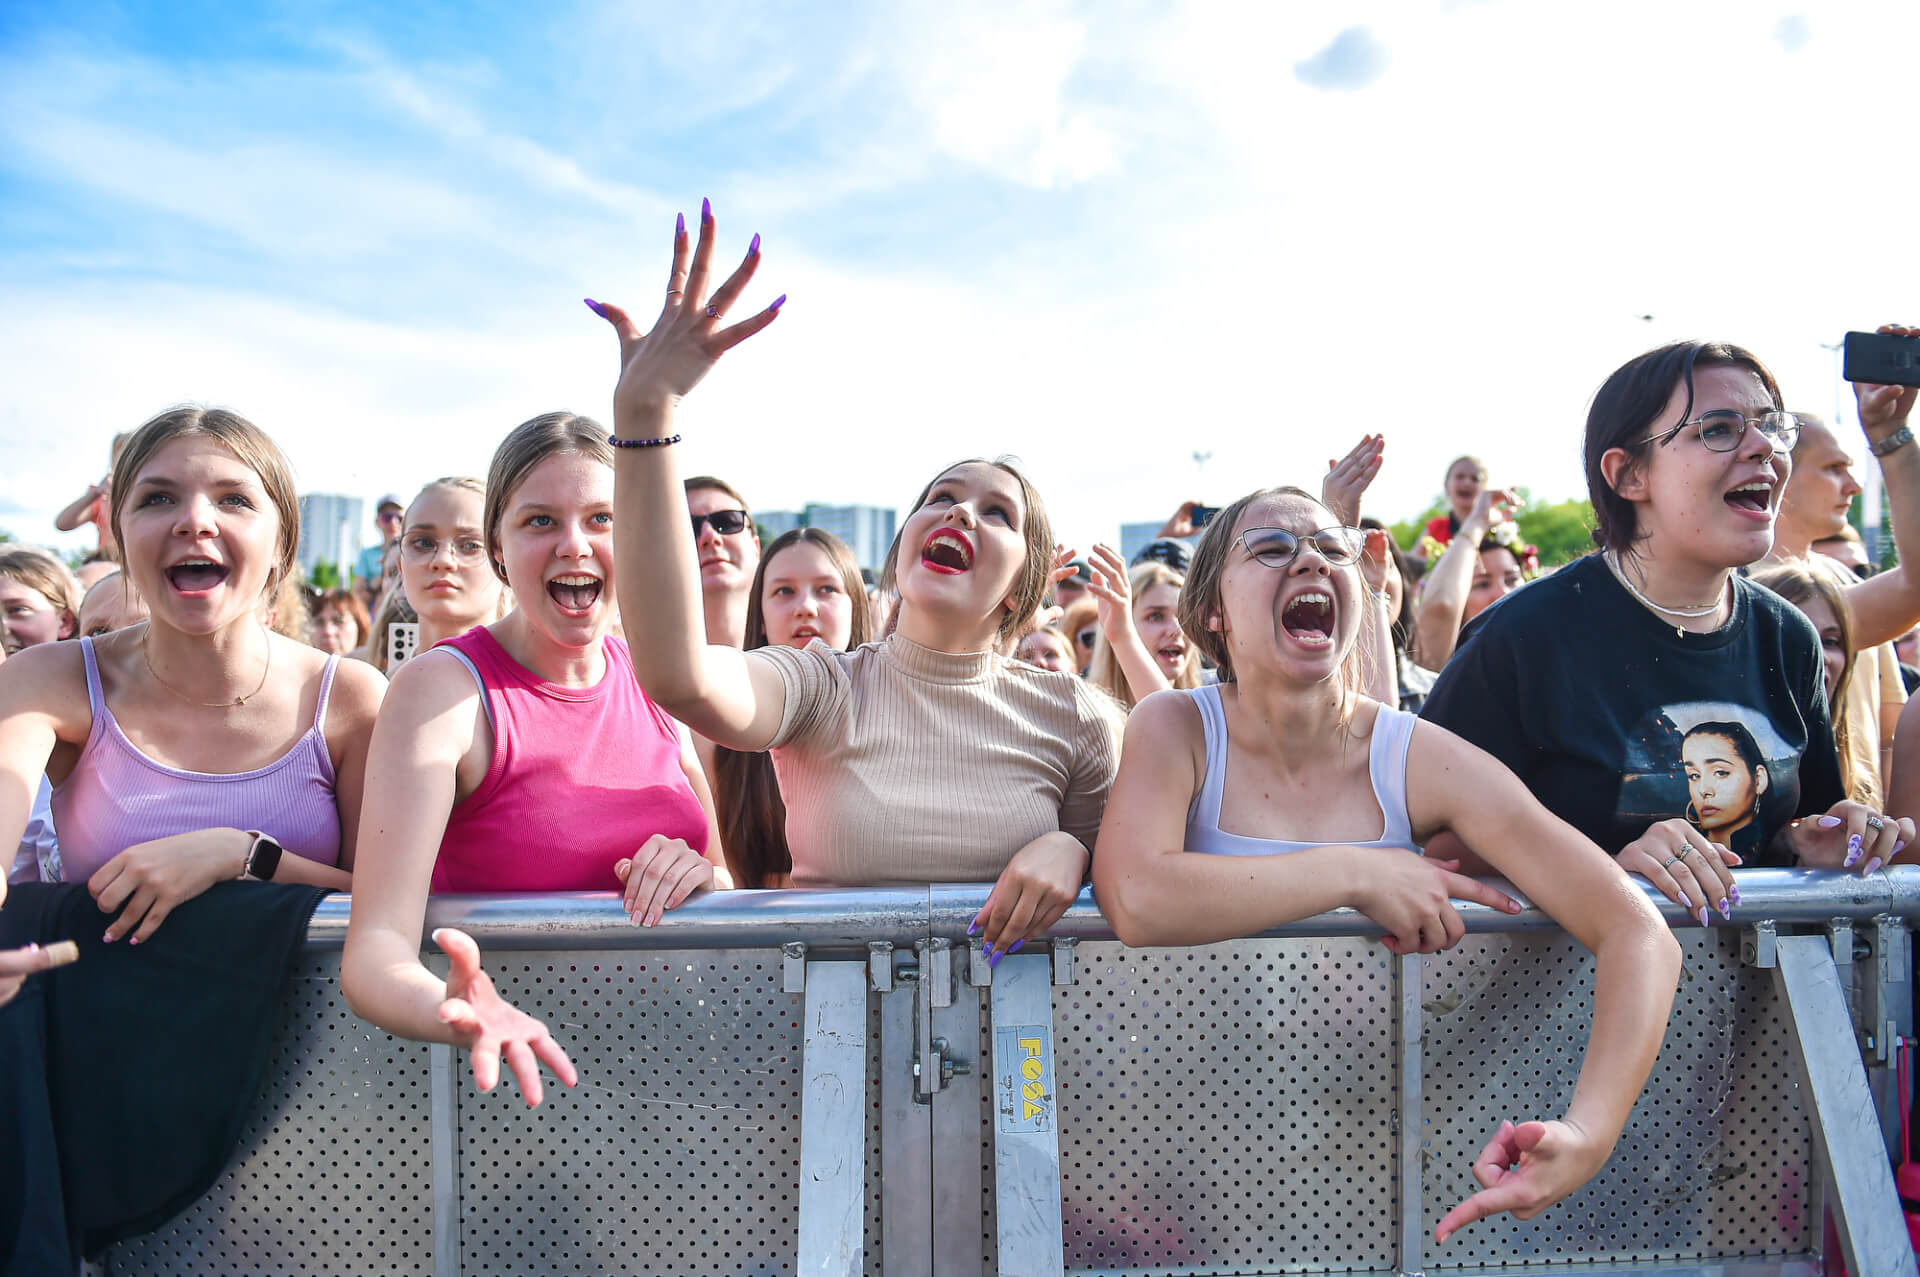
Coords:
pixel 1615 721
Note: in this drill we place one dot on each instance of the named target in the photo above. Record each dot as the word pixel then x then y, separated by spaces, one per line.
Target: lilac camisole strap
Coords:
pixel 117 796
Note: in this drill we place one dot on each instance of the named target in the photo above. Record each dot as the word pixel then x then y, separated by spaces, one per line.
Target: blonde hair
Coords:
pixel 1035 578
pixel 250 446
pixel 526 446
pixel 39 571
pixel 453 482
pixel 1105 672
pixel 1859 760
pixel 287 615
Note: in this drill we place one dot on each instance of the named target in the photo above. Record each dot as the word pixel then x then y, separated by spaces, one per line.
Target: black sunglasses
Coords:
pixel 725 522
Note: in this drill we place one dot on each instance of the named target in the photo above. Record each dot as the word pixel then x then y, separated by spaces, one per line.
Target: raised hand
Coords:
pixel 660 876
pixel 17 964
pixel 658 367
pixel 1849 836
pixel 1031 894
pixel 1884 409
pixel 1179 525
pixel 1376 559
pixel 489 1029
pixel 1525 1169
pixel 1348 478
pixel 1493 506
pixel 1411 897
pixel 1112 592
pixel 1690 869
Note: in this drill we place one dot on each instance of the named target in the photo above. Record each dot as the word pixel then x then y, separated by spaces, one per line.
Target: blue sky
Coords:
pixel 1099 237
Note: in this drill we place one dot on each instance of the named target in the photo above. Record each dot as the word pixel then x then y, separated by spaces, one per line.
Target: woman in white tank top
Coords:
pixel 1286 756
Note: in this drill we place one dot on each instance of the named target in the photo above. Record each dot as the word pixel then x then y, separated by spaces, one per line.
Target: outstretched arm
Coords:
pixel 1443 594
pixel 1114 595
pixel 1888 605
pixel 1636 968
pixel 731 698
pixel 80 509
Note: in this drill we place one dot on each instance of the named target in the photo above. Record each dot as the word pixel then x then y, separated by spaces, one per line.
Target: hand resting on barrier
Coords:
pixel 668 871
pixel 1031 894
pixel 490 1029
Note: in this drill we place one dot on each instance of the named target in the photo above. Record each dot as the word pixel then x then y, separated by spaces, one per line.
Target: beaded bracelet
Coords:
pixel 643 443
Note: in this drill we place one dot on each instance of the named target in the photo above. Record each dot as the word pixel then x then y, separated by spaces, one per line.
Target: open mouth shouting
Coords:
pixel 197 575
pixel 574 593
pixel 1308 618
pixel 1753 498
pixel 947 551
pixel 1171 657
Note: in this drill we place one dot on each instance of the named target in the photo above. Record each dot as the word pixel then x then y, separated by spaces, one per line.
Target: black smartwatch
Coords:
pixel 263 858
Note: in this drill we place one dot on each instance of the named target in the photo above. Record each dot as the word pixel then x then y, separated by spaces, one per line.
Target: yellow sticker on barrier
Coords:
pixel 1023 1078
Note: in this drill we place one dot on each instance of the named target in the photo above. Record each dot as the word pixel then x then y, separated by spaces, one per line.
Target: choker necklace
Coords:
pixel 1705 609
pixel 235 703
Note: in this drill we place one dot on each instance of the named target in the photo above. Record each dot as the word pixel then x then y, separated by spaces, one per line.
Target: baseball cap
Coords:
pixel 1175 554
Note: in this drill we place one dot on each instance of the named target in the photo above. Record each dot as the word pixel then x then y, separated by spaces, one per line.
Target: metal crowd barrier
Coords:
pixel 834 1082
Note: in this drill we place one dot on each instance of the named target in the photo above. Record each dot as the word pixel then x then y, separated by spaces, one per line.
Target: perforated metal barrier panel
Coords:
pixel 1714 1162
pixel 1231 1109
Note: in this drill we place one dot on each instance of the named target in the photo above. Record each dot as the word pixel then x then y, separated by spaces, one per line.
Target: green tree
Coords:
pixel 325 575
pixel 1561 533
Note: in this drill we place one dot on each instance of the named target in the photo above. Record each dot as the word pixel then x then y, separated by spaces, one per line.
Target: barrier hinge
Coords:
pixel 1063 960
pixel 880 965
pixel 1840 936
pixel 1760 947
pixel 793 967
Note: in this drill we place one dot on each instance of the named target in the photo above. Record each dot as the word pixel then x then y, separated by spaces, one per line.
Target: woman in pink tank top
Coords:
pixel 522 756
pixel 174 745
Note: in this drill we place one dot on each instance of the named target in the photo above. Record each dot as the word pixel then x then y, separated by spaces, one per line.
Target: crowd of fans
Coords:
pixel 585 672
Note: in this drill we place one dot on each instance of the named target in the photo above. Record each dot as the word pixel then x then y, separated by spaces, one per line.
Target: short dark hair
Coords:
pixel 1628 406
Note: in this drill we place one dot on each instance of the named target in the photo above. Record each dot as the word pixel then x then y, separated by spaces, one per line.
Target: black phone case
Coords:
pixel 1881 358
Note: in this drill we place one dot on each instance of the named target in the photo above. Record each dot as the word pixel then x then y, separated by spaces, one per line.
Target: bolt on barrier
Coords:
pixel 835 1082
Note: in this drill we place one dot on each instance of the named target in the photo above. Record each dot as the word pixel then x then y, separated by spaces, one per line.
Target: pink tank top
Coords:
pixel 580 776
pixel 117 796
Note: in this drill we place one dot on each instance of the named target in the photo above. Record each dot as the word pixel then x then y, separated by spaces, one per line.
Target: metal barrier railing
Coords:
pixel 803 1074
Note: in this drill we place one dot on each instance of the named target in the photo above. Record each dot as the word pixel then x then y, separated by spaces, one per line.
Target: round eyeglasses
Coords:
pixel 1277 547
pixel 1722 429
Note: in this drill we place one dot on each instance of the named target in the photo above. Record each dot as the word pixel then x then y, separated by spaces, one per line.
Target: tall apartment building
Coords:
pixel 329 529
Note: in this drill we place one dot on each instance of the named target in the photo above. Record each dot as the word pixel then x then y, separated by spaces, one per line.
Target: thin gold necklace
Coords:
pixel 235 703
pixel 1705 609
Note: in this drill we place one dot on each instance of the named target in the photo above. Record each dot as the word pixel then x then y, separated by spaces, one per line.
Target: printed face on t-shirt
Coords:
pixel 1716 765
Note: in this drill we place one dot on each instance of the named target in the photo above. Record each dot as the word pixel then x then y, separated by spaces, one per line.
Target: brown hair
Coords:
pixel 707 483
pixel 1105 672
pixel 526 446
pixel 250 446
pixel 1625 410
pixel 746 795
pixel 1200 601
pixel 1035 578
pixel 347 602
pixel 394 610
pixel 1799 584
pixel 41 572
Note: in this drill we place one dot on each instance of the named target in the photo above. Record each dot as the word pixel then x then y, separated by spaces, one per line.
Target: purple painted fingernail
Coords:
pixel 755 246
pixel 1726 909
pixel 1853 852
pixel 679 225
pixel 778 302
pixel 1017 945
pixel 1705 917
pixel 1829 822
pixel 1899 847
pixel 1686 902
pixel 706 211
pixel 994 961
pixel 973 928
pixel 1872 865
pixel 595 307
pixel 1733 893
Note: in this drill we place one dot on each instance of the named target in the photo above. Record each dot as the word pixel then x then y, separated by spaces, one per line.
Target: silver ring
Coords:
pixel 1687 849
pixel 1876 824
pixel 673 292
pixel 1671 863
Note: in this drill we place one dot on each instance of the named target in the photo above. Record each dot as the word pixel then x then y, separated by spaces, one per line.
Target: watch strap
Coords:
pixel 263 857
pixel 1892 443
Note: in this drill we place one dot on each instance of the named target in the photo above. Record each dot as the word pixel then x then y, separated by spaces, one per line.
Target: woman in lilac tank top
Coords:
pixel 1285 792
pixel 173 745
pixel 522 756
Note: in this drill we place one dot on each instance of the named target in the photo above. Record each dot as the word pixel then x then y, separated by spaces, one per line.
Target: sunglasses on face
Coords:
pixel 724 522
pixel 1277 547
pixel 1085 638
pixel 1723 429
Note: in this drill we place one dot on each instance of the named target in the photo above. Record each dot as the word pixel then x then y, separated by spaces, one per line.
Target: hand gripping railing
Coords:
pixel 909 946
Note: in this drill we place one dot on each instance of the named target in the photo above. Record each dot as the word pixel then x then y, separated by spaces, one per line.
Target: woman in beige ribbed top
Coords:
pixel 926 757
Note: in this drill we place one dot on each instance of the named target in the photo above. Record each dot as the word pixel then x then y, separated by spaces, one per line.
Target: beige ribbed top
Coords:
pixel 901 765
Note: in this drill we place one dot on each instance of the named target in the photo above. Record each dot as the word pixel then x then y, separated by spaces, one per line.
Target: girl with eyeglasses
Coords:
pixel 1587 683
pixel 444 570
pixel 926 757
pixel 522 756
pixel 1284 791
